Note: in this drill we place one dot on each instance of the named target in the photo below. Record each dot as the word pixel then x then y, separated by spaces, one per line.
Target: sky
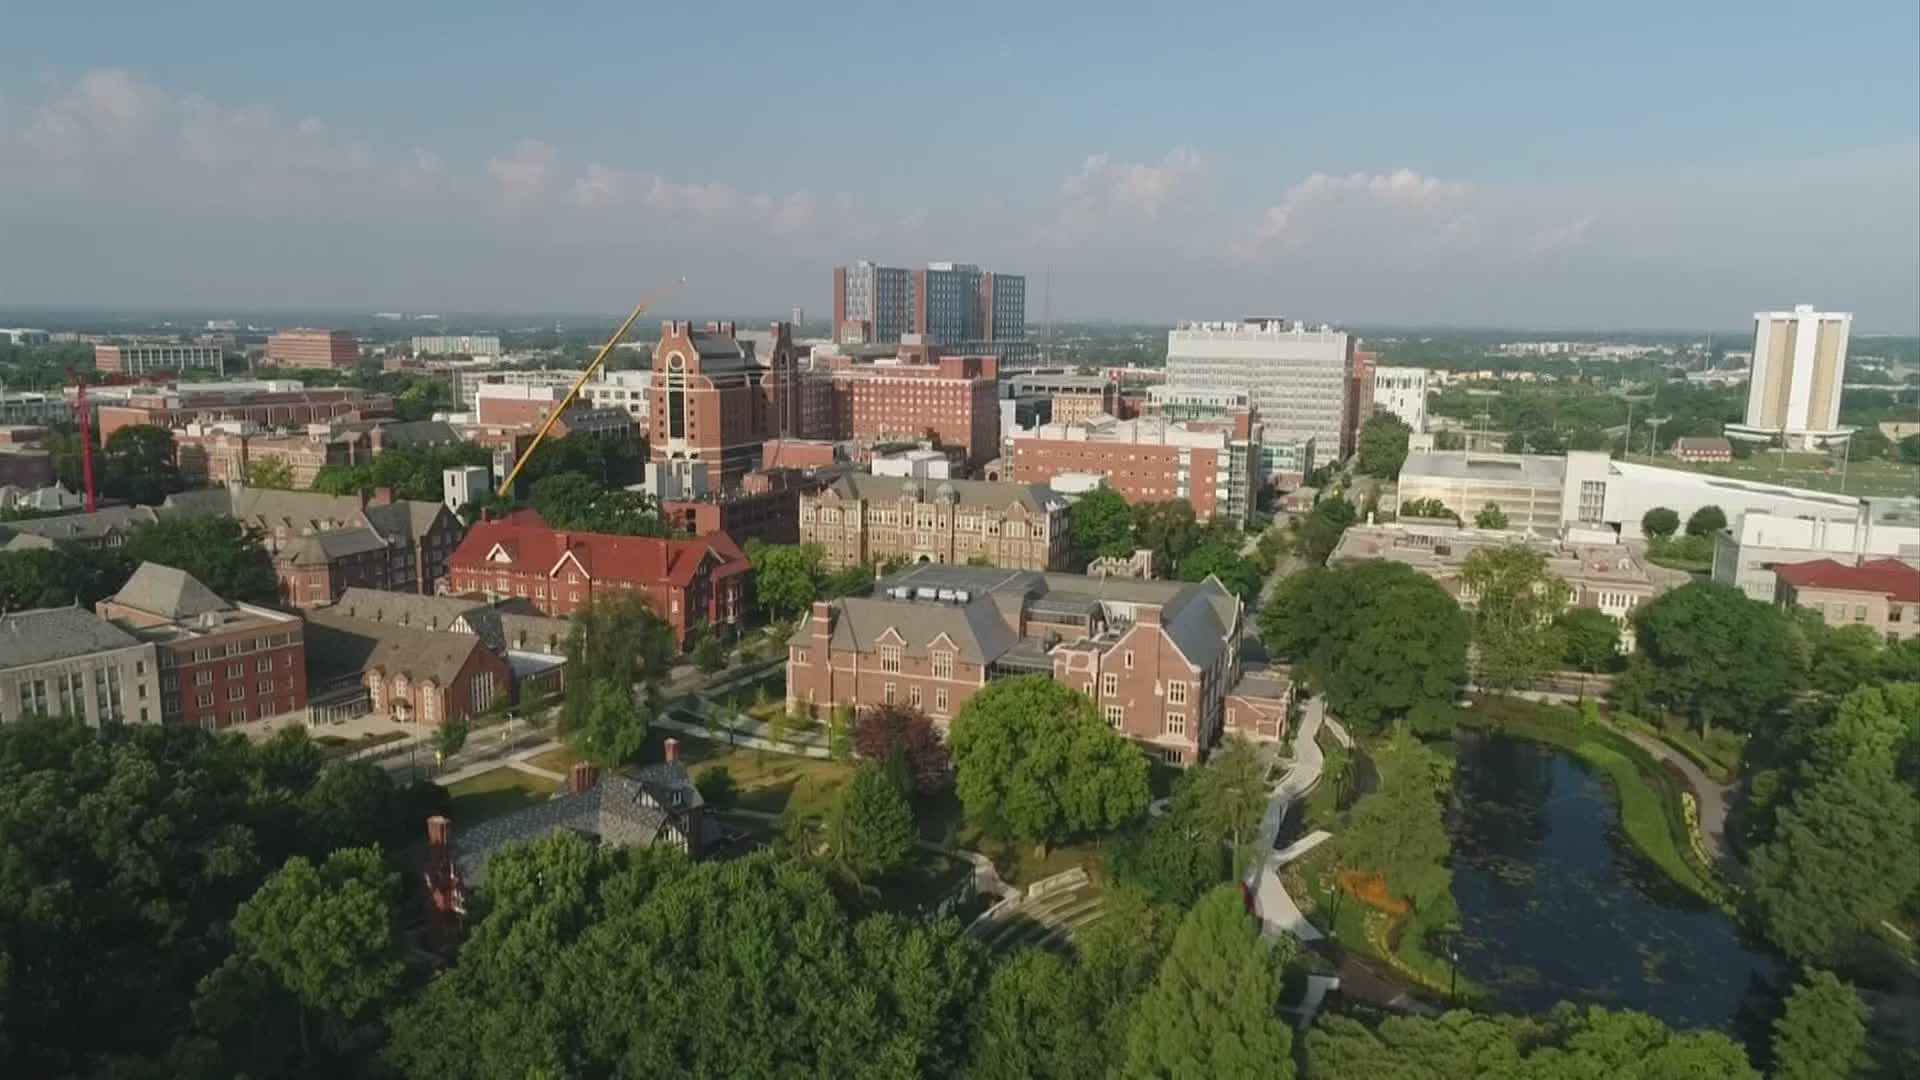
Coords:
pixel 1597 166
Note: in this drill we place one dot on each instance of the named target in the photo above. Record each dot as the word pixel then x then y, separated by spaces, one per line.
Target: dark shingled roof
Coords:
pixel 623 810
pixel 164 590
pixel 44 634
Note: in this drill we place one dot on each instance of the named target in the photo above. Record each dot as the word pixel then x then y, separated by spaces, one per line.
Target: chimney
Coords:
pixel 673 750
pixel 582 778
pixel 382 496
pixel 566 541
pixel 439 830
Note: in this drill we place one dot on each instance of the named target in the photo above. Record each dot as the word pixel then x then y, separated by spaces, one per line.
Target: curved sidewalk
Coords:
pixel 1277 911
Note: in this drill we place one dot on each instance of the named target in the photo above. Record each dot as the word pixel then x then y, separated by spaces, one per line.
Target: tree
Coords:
pixel 1383 641
pixel 1383 446
pixel 1590 638
pixel 1165 859
pixel 1033 1021
pixel 876 822
pixel 325 934
pixel 1910 450
pixel 786 578
pixel 137 464
pixel 839 739
pixel 1321 531
pixel 1490 516
pixel 451 737
pixel 1822 1034
pixel 1515 599
pixel 1398 831
pixel 1717 656
pixel 270 473
pixel 612 729
pixel 1868 444
pixel 884 732
pixel 1100 523
pixel 574 500
pixel 1706 521
pixel 351 802
pixel 717 787
pixel 224 554
pixel 616 640
pixel 1843 658
pixel 1033 760
pixel 709 655
pixel 1226 798
pixel 768 976
pixel 59 576
pixel 1213 1009
pixel 1432 509
pixel 1221 559
pixel 1660 523
pixel 1169 529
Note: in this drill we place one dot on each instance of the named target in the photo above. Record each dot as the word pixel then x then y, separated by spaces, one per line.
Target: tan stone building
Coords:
pixel 863 518
pixel 1882 595
pixel 1160 659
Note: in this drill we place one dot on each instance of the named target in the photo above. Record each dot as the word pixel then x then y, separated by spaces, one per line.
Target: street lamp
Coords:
pixel 1453 971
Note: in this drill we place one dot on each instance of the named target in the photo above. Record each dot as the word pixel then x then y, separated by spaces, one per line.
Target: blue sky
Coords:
pixel 1521 164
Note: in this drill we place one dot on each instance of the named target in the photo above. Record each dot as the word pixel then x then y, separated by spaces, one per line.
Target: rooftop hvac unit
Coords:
pixel 946 594
pixel 962 595
pixel 925 593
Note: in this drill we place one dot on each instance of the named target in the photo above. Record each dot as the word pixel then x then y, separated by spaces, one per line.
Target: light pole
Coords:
pixel 1453 971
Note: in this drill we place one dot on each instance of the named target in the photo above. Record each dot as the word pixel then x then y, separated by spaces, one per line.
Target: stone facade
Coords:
pixel 862 518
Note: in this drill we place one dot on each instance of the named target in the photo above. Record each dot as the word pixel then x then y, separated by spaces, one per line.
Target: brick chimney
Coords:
pixel 673 750
pixel 582 778
pixel 382 496
pixel 439 831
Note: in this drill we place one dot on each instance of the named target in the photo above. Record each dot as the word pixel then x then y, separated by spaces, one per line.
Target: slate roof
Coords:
pixel 975 628
pixel 310 511
pixel 1260 684
pixel 1888 577
pixel 113 519
pixel 324 547
pixel 621 810
pixel 1035 498
pixel 501 630
pixel 174 593
pixel 46 634
pixel 337 646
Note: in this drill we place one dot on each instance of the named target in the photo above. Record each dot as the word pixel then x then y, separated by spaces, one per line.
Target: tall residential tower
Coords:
pixel 1793 387
pixel 959 306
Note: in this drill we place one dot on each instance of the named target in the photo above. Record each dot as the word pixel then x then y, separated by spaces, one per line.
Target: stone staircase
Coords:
pixel 1046 916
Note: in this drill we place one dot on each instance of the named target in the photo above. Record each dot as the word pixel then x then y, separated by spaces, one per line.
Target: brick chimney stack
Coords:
pixel 673 750
pixel 582 778
pixel 439 831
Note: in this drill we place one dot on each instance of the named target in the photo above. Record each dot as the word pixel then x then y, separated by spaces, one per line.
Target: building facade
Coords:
pixel 1754 542
pixel 1882 595
pixel 1697 448
pixel 920 395
pixel 306 348
pixel 410 675
pixel 141 357
pixel 1213 464
pixel 1299 380
pixel 70 662
pixel 1527 488
pixel 1793 387
pixel 475 345
pixel 714 402
pixel 685 582
pixel 221 663
pixel 269 404
pixel 1157 658
pixel 867 519
pixel 957 305
pixel 1402 391
pixel 872 304
pixel 1360 389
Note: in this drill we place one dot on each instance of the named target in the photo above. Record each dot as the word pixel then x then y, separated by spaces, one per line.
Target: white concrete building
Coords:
pixel 474 345
pixel 1402 391
pixel 1599 490
pixel 1298 379
pixel 463 484
pixel 1793 387
pixel 918 464
pixel 622 390
pixel 1526 487
pixel 71 662
pixel 1756 541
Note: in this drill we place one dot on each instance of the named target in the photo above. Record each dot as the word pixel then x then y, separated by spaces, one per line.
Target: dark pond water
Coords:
pixel 1556 904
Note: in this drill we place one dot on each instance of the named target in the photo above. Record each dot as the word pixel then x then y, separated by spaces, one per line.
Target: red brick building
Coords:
pixel 306 348
pixel 920 394
pixel 687 582
pixel 713 402
pixel 1159 659
pixel 411 675
pixel 1359 400
pixel 1214 465
pixel 269 405
pixel 221 663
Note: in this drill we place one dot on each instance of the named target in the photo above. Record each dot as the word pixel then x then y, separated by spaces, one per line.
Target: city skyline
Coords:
pixel 1348 168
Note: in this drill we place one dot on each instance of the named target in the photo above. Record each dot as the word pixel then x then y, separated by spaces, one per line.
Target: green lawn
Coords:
pixel 497 792
pixel 559 759
pixel 767 782
pixel 1816 472
pixel 943 821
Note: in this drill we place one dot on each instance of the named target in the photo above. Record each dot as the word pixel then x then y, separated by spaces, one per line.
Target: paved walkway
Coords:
pixel 1277 911
pixel 1712 798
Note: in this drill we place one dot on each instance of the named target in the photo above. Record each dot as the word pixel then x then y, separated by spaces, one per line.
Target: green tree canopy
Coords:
pixel 1100 523
pixel 1213 1010
pixel 225 554
pixel 1427 508
pixel 1169 529
pixel 137 464
pixel 1398 831
pixel 1717 656
pixel 572 500
pixel 1660 522
pixel 1383 446
pixel 59 576
pixel 1590 638
pixel 270 473
pixel 1843 658
pixel 786 579
pixel 1490 516
pixel 1033 760
pixel 1515 599
pixel 1382 640
pixel 885 733
pixel 411 472
pixel 1706 521
pixel 616 644
pixel 1222 559
pixel 1822 1034
pixel 876 825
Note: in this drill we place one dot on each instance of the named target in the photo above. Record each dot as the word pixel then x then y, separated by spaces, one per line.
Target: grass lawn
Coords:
pixel 767 782
pixel 1816 472
pixel 559 759
pixel 943 821
pixel 496 792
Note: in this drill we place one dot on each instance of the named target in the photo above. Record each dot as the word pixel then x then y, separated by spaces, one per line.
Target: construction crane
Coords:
pixel 605 350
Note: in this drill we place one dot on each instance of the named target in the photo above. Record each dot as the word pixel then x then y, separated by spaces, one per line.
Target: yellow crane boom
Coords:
pixel 573 394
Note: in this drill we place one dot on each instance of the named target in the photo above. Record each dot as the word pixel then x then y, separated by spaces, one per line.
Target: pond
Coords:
pixel 1557 905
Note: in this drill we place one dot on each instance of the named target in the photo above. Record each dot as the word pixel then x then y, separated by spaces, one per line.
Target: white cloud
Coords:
pixel 1105 189
pixel 521 178
pixel 603 188
pixel 1290 221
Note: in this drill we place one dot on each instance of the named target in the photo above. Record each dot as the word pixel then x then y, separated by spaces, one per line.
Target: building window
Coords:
pixel 943 661
pixel 203 677
pixel 1115 716
pixel 1176 693
pixel 265 663
pixel 1129 659
pixel 940 699
pixel 1109 684
pixel 890 658
pixel 888 695
pixel 236 671
pixel 1173 756
pixel 205 698
pixel 1176 723
pixel 266 686
pixel 913 696
pixel 236 692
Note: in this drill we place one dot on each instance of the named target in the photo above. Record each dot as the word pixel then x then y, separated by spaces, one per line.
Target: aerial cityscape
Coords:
pixel 496 581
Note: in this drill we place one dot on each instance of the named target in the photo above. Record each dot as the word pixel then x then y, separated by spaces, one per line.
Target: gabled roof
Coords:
pixel 1888 577
pixel 45 634
pixel 322 548
pixel 622 810
pixel 500 630
pixel 981 493
pixel 535 548
pixel 164 590
pixel 338 645
pixel 976 628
